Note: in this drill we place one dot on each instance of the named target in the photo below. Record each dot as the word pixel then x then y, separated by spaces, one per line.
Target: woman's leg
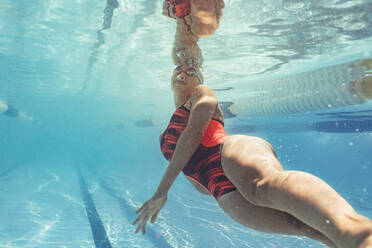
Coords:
pixel 267 219
pixel 204 16
pixel 250 164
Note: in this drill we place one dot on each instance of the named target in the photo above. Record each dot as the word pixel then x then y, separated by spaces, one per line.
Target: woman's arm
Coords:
pixel 204 103
pixel 195 184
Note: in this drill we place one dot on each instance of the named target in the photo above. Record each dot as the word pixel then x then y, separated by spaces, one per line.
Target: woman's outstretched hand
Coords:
pixel 149 209
pixel 168 9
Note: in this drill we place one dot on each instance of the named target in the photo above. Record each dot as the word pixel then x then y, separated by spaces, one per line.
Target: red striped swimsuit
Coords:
pixel 204 166
pixel 181 8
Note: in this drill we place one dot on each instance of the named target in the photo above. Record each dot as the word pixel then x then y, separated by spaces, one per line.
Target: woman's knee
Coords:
pixel 204 16
pixel 202 27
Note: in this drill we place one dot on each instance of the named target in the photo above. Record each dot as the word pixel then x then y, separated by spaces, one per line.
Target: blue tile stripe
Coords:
pixel 98 230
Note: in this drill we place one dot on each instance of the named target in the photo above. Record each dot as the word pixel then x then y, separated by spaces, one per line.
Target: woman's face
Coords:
pixel 184 79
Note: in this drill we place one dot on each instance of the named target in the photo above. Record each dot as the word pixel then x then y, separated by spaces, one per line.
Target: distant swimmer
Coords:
pixel 10 111
pixel 147 122
pixel 242 172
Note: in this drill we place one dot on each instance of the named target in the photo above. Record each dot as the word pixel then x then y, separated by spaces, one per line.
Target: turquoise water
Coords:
pixel 91 95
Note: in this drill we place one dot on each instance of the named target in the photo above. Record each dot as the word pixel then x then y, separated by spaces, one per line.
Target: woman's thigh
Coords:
pixel 266 219
pixel 250 164
pixel 259 218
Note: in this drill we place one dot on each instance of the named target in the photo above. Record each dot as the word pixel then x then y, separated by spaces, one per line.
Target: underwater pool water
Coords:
pixel 84 95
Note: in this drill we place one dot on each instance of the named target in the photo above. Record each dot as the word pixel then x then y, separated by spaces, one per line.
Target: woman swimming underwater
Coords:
pixel 241 172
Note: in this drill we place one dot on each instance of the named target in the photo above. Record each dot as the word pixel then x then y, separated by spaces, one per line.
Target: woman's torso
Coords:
pixel 204 167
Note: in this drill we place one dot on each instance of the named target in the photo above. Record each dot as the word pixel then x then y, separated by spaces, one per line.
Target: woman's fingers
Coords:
pixel 165 8
pixel 142 219
pixel 142 222
pixel 142 225
pixel 168 9
pixel 144 228
pixel 153 218
pixel 138 228
pixel 143 206
pixel 135 222
pixel 149 211
pixel 143 210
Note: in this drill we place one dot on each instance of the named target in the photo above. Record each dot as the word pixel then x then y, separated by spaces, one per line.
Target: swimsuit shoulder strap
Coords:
pixel 187 105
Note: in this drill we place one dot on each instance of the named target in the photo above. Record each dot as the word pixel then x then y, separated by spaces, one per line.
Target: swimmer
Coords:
pixel 243 173
pixel 12 112
pixel 8 110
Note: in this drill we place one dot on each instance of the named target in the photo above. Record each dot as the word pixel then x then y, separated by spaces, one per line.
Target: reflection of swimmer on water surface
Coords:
pixel 145 122
pixel 10 111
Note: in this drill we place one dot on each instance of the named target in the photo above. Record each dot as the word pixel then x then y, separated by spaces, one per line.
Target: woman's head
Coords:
pixel 185 78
